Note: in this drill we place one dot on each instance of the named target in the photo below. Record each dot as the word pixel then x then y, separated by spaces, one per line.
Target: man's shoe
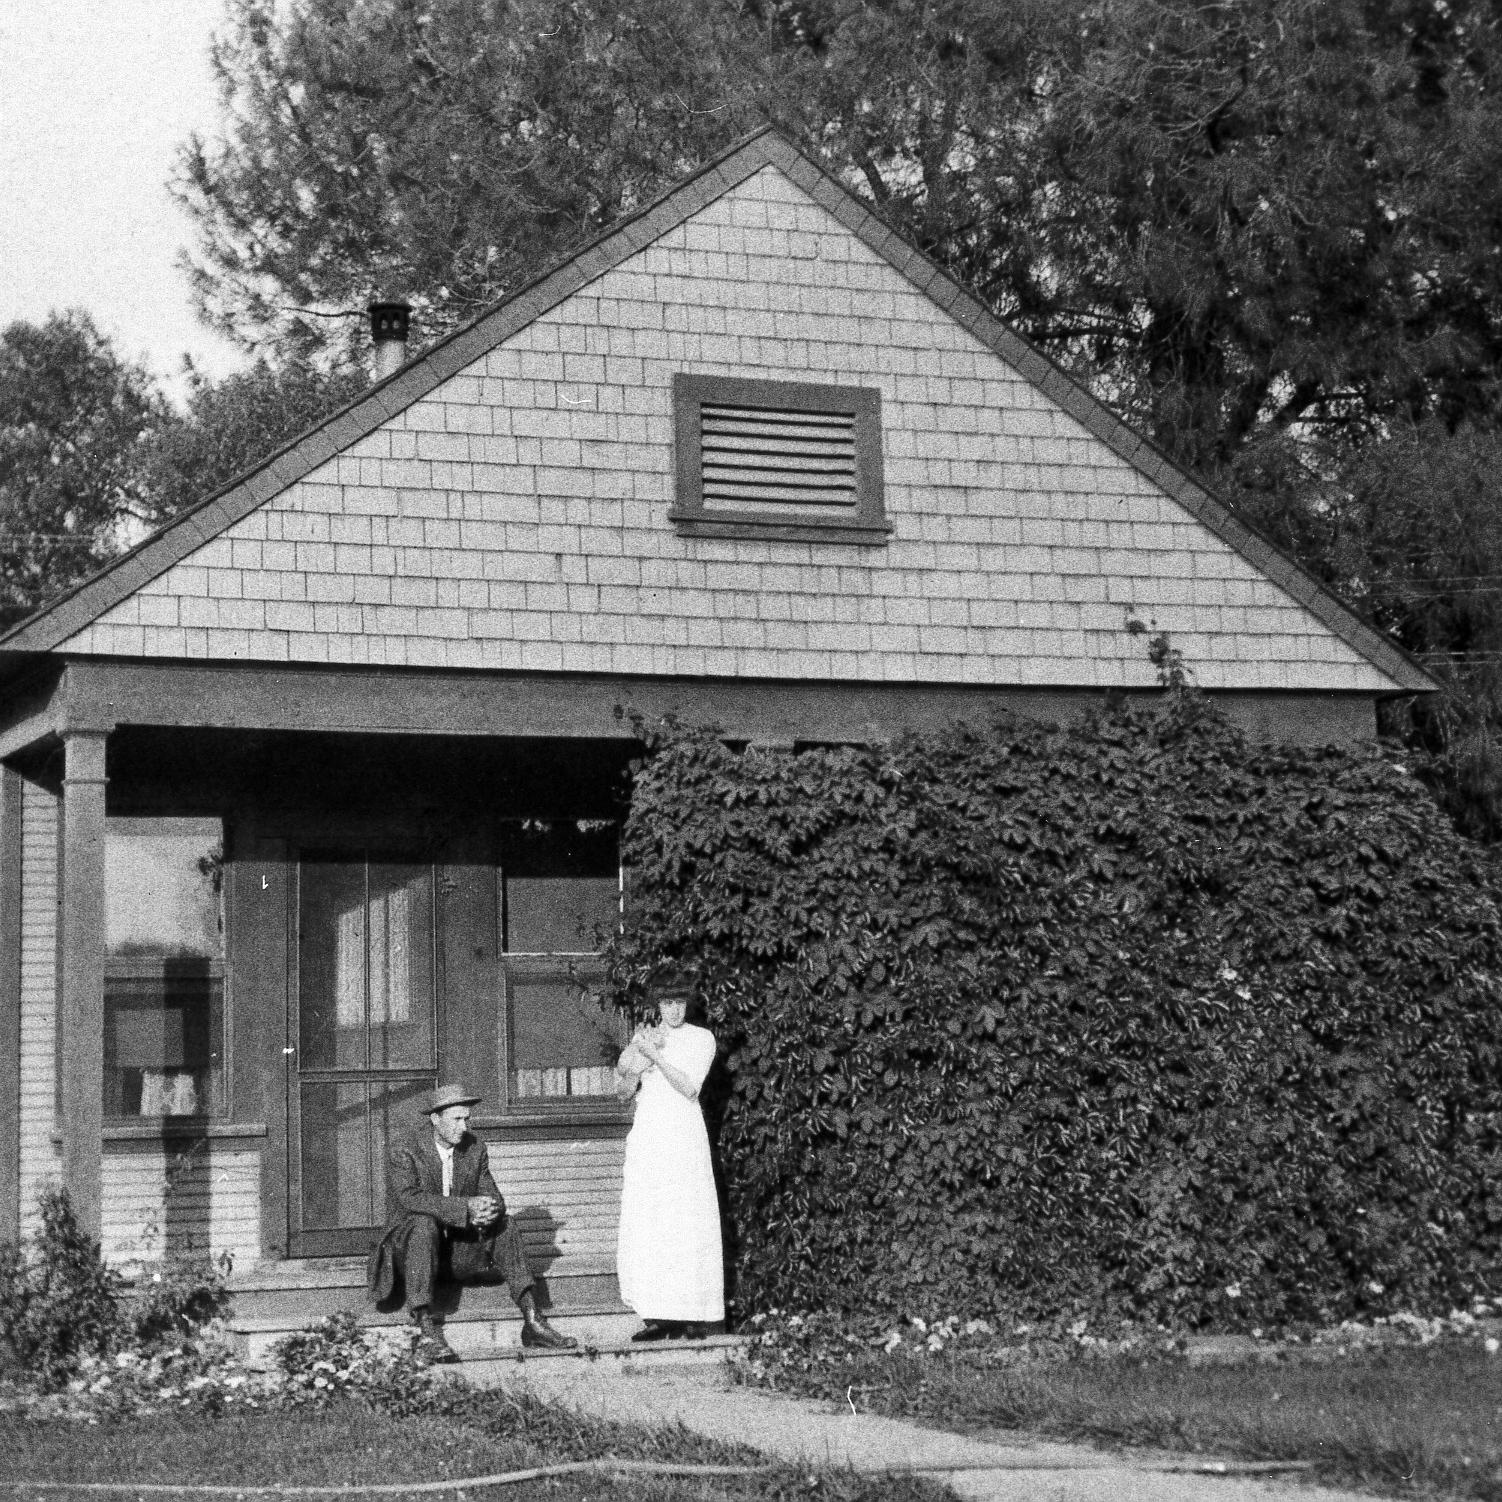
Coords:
pixel 655 1329
pixel 432 1345
pixel 538 1332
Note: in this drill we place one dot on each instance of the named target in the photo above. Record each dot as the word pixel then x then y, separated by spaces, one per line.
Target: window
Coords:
pixel 779 460
pixel 561 899
pixel 164 967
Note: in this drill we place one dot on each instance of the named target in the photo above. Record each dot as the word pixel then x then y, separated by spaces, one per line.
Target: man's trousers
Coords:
pixel 427 1252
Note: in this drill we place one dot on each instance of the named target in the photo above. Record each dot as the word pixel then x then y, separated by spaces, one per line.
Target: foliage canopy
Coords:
pixel 1230 219
pixel 446 151
pixel 92 455
pixel 74 423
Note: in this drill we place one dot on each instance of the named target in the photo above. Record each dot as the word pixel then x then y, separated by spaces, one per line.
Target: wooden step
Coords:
pixel 273 1300
pixel 294 1305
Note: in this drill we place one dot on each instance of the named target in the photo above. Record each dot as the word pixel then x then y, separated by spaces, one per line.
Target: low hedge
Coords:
pixel 1129 1016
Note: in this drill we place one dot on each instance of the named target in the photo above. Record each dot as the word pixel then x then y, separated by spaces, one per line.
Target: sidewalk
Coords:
pixel 1003 1468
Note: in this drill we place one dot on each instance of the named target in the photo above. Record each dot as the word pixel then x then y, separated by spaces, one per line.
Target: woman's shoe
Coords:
pixel 655 1329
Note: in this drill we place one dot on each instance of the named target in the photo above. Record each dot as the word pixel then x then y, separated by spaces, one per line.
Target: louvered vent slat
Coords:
pixel 759 458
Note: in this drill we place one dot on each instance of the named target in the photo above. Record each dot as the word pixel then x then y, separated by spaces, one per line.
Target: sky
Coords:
pixel 95 98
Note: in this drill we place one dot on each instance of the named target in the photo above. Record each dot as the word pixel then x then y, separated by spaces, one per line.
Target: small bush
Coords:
pixel 62 1307
pixel 59 1303
pixel 333 1359
pixel 1130 1018
pixel 176 1300
pixel 334 1347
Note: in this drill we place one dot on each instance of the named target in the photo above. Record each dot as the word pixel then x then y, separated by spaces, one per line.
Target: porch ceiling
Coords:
pixel 423 784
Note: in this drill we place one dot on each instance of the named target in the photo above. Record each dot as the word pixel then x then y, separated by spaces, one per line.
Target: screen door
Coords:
pixel 363 1037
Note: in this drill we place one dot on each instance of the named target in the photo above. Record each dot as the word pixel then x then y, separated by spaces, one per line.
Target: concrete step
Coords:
pixel 473 1337
pixel 621 1359
pixel 487 1344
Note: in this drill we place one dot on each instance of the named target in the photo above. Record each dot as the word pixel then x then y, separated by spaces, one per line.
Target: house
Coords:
pixel 313 797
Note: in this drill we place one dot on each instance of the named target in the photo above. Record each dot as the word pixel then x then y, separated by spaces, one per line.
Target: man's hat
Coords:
pixel 450 1095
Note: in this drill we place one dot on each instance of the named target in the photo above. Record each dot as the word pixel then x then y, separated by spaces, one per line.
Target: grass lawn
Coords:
pixel 1405 1421
pixel 348 1442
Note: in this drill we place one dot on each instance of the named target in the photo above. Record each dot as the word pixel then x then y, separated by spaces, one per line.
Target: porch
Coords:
pixel 243 953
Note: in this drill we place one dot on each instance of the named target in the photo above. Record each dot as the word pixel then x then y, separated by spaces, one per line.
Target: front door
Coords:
pixel 363 1035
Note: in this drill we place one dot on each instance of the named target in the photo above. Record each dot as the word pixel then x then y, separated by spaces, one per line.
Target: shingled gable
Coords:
pixel 65 619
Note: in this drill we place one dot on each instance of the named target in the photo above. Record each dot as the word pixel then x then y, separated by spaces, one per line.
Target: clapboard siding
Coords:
pixel 193 1200
pixel 39 835
pixel 566 1197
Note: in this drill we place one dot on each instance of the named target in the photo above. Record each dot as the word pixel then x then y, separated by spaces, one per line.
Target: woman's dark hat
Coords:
pixel 450 1095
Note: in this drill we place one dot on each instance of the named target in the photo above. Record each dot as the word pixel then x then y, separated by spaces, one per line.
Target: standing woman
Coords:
pixel 669 1258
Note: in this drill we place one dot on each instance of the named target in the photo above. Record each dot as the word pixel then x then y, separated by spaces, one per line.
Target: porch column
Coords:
pixel 80 1010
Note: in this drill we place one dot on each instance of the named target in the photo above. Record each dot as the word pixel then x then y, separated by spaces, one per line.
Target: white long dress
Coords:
pixel 669 1258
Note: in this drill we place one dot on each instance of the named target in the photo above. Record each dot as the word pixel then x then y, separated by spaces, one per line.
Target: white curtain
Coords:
pixel 349 968
pixel 377 932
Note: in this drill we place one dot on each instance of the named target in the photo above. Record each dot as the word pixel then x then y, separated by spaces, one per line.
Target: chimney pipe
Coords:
pixel 388 328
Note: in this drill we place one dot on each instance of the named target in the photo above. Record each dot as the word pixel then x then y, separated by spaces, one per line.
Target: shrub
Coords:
pixel 333 1359
pixel 1129 1017
pixel 58 1301
pixel 177 1299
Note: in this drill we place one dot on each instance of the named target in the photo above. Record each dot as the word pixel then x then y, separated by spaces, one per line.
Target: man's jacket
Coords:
pixel 414 1187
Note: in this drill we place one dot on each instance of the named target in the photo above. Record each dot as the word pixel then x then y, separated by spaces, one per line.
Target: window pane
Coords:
pixel 365 968
pixel 562 881
pixel 563 1041
pixel 164 950
pixel 163 1037
pixel 162 884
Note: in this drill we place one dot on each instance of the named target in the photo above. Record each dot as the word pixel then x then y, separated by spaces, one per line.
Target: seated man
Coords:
pixel 447 1220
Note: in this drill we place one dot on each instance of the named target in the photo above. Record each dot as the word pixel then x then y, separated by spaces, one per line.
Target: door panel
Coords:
pixel 346 1143
pixel 364 997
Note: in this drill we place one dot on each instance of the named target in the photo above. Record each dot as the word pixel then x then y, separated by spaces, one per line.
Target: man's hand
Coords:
pixel 482 1210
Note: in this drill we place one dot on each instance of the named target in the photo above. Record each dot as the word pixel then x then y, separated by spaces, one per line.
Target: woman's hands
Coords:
pixel 644 1052
pixel 648 1041
pixel 637 1057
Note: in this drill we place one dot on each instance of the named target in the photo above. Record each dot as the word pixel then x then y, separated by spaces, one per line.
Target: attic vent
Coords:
pixel 775 459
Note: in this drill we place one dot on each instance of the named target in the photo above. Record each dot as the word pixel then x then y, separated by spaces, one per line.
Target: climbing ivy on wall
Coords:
pixel 1129 1016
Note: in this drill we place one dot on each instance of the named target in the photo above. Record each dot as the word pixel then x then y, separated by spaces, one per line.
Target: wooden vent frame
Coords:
pixel 739 446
